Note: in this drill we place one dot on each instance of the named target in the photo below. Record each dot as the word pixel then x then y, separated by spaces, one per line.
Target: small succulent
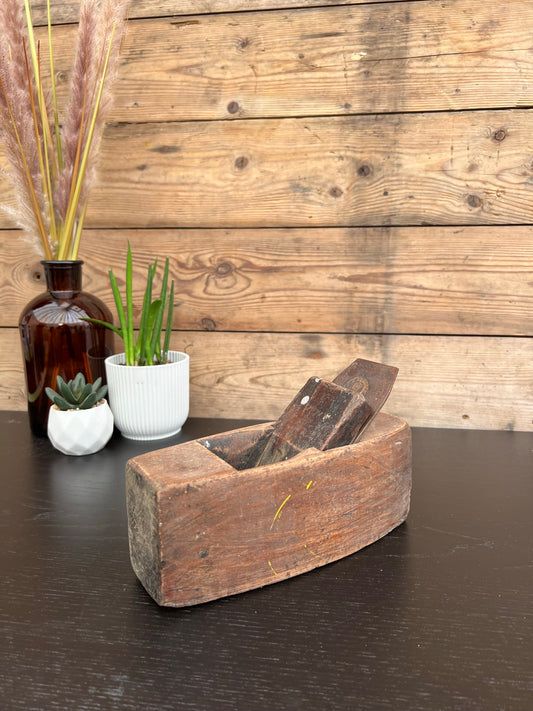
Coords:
pixel 77 394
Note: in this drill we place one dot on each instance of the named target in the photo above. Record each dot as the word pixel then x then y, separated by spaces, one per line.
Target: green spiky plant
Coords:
pixel 77 394
pixel 52 157
pixel 148 348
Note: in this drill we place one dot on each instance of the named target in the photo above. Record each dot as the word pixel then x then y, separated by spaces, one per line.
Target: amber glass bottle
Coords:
pixel 57 341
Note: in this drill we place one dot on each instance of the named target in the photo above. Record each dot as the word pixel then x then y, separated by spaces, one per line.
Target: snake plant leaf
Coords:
pixel 129 346
pixel 140 346
pixel 149 355
pixel 155 343
pixel 116 330
pixel 168 332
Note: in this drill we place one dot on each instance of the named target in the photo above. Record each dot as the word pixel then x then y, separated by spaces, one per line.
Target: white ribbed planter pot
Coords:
pixel 149 401
pixel 80 432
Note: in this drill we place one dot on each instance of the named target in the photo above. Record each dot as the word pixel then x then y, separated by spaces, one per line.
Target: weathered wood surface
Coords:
pixel 465 382
pixel 316 416
pixel 199 529
pixel 441 280
pixel 285 225
pixel 326 414
pixel 479 383
pixel 67 10
pixel 404 169
pixel 374 58
pixel 362 59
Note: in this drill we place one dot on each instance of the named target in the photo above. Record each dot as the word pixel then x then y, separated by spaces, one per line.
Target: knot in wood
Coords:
pixel 208 324
pixel 165 150
pixel 499 135
pixel 336 192
pixel 364 170
pixel 241 162
pixel 233 107
pixel 474 201
pixel 223 269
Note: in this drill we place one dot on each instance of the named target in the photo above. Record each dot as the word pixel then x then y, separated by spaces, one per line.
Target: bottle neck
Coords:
pixel 63 278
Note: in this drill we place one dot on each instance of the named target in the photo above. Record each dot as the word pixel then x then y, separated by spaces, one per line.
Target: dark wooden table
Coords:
pixel 436 615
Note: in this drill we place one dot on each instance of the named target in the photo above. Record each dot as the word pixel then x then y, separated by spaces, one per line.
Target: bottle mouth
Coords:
pixel 61 263
pixel 63 277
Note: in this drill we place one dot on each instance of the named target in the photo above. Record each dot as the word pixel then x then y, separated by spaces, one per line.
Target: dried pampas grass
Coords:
pixel 52 159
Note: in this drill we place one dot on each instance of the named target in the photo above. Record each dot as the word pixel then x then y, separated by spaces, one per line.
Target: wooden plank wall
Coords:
pixel 330 180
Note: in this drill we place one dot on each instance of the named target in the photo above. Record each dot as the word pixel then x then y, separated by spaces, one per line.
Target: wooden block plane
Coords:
pixel 205 522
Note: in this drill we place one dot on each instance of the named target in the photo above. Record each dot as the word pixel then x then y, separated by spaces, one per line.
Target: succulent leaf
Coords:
pixel 65 390
pixel 62 404
pixel 76 386
pixel 101 393
pixel 51 394
pixel 89 401
pixel 87 390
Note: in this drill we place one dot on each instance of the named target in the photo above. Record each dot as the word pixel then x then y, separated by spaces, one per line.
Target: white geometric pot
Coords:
pixel 80 432
pixel 149 401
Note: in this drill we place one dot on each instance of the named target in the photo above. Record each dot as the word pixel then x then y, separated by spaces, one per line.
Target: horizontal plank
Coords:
pixel 405 169
pixel 63 11
pixel 476 383
pixel 375 58
pixel 479 383
pixel 425 280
